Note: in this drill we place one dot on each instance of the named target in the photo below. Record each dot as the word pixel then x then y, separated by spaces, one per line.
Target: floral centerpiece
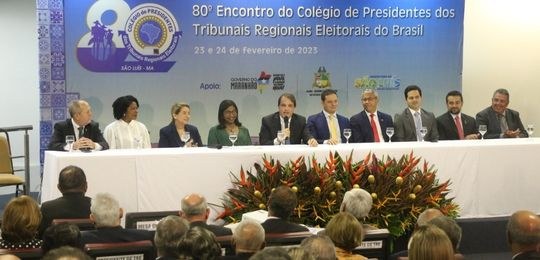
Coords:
pixel 400 189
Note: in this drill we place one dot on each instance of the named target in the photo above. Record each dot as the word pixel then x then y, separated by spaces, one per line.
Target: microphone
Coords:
pixel 286 121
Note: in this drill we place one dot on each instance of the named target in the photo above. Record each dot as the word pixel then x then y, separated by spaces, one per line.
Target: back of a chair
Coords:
pixel 226 244
pixel 6 165
pixel 124 250
pixel 24 253
pixel 82 223
pixel 147 220
pixel 286 239
pixel 376 244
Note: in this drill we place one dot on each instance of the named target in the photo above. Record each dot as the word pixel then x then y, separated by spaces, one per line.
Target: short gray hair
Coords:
pixel 320 246
pixel 358 202
pixel 428 215
pixel 75 107
pixel 450 227
pixel 370 91
pixel 169 232
pixel 196 209
pixel 105 209
pixel 249 235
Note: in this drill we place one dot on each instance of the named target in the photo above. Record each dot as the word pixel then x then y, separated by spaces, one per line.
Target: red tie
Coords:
pixel 374 129
pixel 459 128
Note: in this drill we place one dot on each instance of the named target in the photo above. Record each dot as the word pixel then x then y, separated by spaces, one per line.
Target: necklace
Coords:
pixel 231 130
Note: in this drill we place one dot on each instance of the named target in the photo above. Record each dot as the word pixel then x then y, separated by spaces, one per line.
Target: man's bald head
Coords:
pixel 523 231
pixel 248 236
pixel 428 215
pixel 194 206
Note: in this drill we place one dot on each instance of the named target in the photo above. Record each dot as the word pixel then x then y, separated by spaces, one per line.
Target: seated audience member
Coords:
pixel 169 232
pixel 66 253
pixel 370 125
pixel 320 246
pixel 298 253
pixel 73 203
pixel 358 202
pixel 126 132
pixel 9 257
pixel 501 121
pixel 327 126
pixel 430 242
pixel 281 204
pixel 228 124
pixel 409 123
pixel 196 211
pixel 171 135
pixel 272 253
pixel 86 132
pixel 20 222
pixel 451 229
pixel 63 234
pixel 422 220
pixel 106 214
pixel 199 243
pixel 346 233
pixel 455 125
pixel 293 126
pixel 523 233
pixel 248 239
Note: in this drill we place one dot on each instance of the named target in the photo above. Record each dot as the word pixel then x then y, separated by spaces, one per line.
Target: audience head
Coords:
pixel 299 253
pixel 358 202
pixel 500 100
pixel 282 202
pixel 370 100
pixel 21 219
pixel 180 113
pixel 320 246
pixel 194 208
pixel 72 179
pixel 9 257
pixel 126 108
pixel 66 253
pixel 345 231
pixel 105 210
pixel 329 101
pixel 427 215
pixel 228 114
pixel 80 111
pixel 454 102
pixel 199 243
pixel 169 232
pixel 413 96
pixel 430 242
pixel 248 236
pixel 450 227
pixel 286 105
pixel 271 253
pixel 63 234
pixel 523 231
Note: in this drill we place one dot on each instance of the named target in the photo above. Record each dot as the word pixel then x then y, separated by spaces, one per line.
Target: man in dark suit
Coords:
pixel 327 126
pixel 248 239
pixel 293 126
pixel 523 233
pixel 86 132
pixel 73 203
pixel 370 125
pixel 501 121
pixel 454 125
pixel 408 125
pixel 106 214
pixel 281 204
pixel 196 211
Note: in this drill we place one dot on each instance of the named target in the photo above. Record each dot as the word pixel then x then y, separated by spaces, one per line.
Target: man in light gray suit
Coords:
pixel 501 121
pixel 408 125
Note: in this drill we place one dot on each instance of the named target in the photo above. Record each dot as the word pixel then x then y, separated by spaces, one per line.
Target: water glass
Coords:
pixel 347 133
pixel 233 137
pixel 70 139
pixel 390 133
pixel 423 132
pixel 482 129
pixel 281 137
pixel 185 137
pixel 530 129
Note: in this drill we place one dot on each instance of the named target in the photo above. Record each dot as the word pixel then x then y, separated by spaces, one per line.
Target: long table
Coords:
pixel 489 177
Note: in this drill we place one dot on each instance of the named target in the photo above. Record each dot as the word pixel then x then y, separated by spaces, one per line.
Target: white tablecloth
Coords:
pixel 489 177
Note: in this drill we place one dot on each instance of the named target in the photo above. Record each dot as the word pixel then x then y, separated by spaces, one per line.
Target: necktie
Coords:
pixel 418 124
pixel 459 127
pixel 504 124
pixel 374 128
pixel 332 125
pixel 81 131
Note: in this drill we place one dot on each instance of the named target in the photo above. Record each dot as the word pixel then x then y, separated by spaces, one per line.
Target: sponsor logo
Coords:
pixel 322 78
pixel 243 83
pixel 278 82
pixel 263 81
pixel 377 82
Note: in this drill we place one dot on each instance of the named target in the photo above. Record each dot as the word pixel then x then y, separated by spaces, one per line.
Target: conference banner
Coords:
pixel 202 52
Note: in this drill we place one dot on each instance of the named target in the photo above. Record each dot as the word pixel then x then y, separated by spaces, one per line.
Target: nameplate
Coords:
pixel 122 257
pixel 375 244
pixel 147 225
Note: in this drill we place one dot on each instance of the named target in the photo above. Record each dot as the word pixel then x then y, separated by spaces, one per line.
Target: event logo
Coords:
pixel 378 82
pixel 322 78
pixel 138 40
pixel 278 81
pixel 263 81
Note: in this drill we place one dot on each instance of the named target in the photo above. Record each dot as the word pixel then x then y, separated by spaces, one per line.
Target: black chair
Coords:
pixel 25 253
pixel 147 220
pixel 124 250
pixel 376 244
pixel 82 223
